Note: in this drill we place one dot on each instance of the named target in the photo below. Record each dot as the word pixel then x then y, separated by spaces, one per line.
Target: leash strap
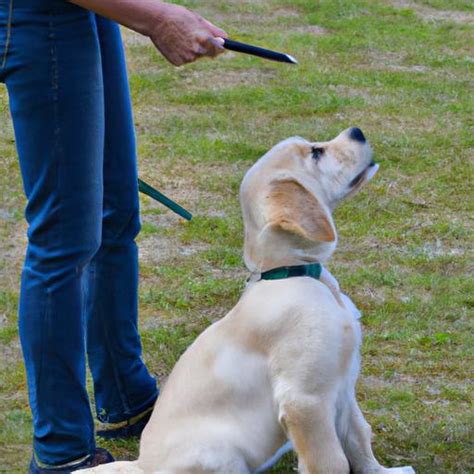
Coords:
pixel 312 270
pixel 160 197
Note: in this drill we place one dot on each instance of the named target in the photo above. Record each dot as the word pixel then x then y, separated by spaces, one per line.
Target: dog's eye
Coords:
pixel 317 153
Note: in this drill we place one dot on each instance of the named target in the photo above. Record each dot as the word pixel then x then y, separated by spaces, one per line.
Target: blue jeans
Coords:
pixel 65 72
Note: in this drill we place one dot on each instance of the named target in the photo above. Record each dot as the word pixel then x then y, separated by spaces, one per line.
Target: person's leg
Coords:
pixel 123 387
pixel 54 80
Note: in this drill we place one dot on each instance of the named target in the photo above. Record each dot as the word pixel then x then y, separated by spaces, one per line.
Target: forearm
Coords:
pixel 138 15
pixel 180 35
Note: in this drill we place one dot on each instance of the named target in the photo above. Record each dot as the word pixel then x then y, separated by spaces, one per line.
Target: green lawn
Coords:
pixel 401 70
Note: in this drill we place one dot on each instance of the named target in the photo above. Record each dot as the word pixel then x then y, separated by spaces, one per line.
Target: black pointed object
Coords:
pixel 160 197
pixel 257 51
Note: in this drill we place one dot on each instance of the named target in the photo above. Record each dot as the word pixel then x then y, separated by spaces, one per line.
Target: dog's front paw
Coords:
pixel 401 470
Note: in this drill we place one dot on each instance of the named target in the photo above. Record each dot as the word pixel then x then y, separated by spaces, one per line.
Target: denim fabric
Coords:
pixel 65 72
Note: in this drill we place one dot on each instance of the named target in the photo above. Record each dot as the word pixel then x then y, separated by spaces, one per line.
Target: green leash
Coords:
pixel 160 197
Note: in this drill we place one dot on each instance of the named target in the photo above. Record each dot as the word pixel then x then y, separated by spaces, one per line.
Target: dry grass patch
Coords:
pixel 369 96
pixel 434 15
pixel 158 249
pixel 391 61
pixel 314 30
pixel 132 38
pixel 214 79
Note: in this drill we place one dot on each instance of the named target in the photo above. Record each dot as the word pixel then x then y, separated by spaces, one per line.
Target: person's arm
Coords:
pixel 180 35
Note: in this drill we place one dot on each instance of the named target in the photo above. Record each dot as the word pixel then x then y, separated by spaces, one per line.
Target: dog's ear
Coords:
pixel 294 209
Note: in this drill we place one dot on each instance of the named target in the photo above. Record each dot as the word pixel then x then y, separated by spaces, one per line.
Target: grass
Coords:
pixel 403 72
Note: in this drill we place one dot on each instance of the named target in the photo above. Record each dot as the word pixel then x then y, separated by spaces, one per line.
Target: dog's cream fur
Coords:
pixel 284 361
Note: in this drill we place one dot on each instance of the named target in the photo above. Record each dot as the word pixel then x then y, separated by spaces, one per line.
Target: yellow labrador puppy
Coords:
pixel 283 363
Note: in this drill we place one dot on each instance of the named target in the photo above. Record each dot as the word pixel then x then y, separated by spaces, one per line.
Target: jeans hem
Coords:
pixel 111 418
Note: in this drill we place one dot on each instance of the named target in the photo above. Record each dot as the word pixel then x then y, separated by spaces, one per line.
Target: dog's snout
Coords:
pixel 357 135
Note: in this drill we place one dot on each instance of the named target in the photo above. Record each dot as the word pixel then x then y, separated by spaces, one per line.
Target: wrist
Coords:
pixel 152 17
pixel 138 15
pixel 163 15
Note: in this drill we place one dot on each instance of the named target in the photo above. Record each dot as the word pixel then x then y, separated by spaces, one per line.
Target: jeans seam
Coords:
pixel 8 35
pixel 55 89
pixel 44 331
pixel 120 386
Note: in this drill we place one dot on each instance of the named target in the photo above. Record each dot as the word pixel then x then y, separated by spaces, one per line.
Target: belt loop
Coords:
pixel 9 31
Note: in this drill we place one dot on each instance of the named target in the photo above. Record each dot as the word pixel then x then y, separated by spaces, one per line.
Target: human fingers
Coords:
pixel 211 46
pixel 184 36
pixel 215 30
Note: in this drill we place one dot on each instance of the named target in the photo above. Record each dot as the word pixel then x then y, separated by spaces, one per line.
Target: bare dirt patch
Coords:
pixel 286 13
pixel 196 80
pixel 310 29
pixel 432 14
pixel 238 18
pixel 392 61
pixel 374 382
pixel 160 247
pixel 184 189
pixel 367 95
pixel 11 355
pixel 131 38
pixel 156 249
pixel 242 15
pixel 12 250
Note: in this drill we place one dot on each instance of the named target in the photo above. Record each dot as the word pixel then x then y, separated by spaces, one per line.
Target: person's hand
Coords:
pixel 180 35
pixel 183 36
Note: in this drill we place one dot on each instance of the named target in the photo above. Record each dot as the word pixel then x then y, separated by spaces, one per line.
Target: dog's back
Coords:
pixel 219 402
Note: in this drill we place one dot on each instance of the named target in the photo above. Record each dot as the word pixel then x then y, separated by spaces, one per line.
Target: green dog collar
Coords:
pixel 312 270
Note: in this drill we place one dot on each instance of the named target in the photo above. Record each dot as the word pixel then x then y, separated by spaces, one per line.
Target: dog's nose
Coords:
pixel 357 135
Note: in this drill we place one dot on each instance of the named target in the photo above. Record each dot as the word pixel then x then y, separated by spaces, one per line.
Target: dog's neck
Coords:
pixel 269 254
pixel 328 279
pixel 325 277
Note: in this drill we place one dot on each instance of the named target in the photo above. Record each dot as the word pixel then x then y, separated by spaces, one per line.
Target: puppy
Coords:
pixel 283 363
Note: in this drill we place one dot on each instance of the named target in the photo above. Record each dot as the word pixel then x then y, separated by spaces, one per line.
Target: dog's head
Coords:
pixel 288 196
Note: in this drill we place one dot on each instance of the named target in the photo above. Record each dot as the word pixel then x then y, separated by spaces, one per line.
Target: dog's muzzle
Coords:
pixel 365 175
